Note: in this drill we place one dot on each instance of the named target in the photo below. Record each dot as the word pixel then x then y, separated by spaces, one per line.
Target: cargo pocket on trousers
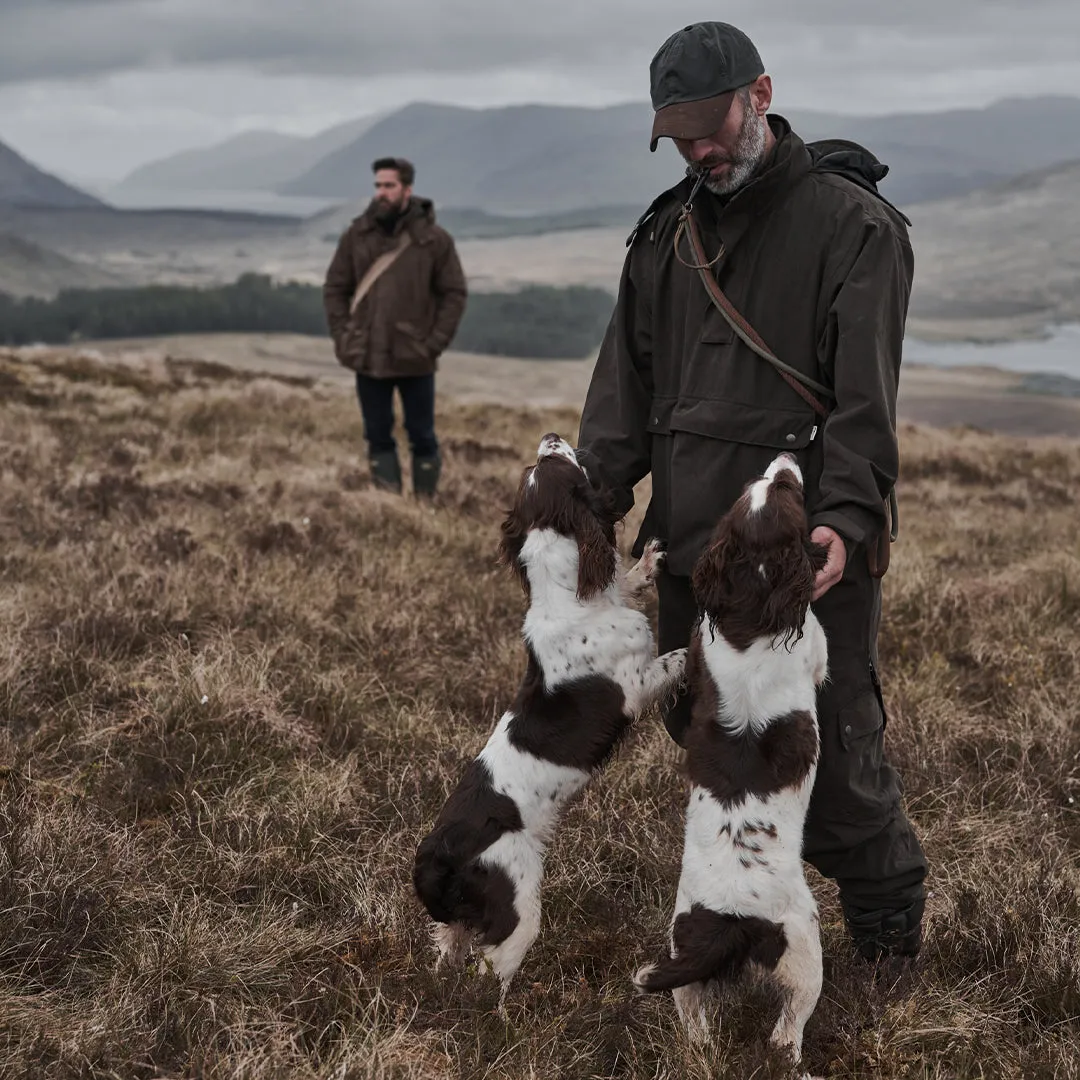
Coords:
pixel 860 720
pixel 854 783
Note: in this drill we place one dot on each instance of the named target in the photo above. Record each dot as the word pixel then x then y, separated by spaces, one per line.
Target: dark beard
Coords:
pixel 385 213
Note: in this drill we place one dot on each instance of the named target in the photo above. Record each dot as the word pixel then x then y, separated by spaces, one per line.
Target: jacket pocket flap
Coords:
pixel 737 423
pixel 660 415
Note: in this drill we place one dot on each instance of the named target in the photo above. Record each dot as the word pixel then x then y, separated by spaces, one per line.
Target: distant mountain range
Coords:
pixel 252 161
pixel 541 159
pixel 23 184
pixel 537 159
pixel 1000 259
pixel 520 159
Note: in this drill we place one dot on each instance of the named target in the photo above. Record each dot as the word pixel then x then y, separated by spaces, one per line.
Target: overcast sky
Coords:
pixel 92 88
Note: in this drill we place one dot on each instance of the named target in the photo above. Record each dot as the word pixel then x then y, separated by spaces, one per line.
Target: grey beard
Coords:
pixel 745 159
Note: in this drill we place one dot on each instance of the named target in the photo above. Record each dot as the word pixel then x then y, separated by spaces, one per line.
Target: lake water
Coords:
pixel 1058 354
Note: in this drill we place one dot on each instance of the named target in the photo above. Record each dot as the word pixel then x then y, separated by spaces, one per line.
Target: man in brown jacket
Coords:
pixel 821 268
pixel 394 295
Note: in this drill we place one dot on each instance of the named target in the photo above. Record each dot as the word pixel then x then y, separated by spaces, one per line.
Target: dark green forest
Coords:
pixel 537 321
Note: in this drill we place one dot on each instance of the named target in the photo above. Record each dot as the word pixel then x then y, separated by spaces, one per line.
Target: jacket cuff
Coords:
pixel 854 524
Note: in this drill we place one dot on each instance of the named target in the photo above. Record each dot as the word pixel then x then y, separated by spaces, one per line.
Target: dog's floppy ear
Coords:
pixel 596 556
pixel 818 554
pixel 593 518
pixel 712 578
pixel 513 539
pixel 792 585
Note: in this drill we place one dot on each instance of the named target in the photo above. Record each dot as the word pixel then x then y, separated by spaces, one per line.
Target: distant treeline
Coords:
pixel 538 321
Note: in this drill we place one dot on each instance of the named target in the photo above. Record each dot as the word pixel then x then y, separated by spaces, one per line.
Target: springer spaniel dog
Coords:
pixel 756 660
pixel 591 671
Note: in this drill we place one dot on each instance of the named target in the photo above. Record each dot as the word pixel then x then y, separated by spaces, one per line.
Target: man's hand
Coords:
pixel 833 570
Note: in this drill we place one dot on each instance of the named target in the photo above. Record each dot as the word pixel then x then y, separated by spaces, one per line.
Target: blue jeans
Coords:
pixel 418 402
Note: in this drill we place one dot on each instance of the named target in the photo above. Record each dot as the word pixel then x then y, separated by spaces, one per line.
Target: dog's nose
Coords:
pixel 551 444
pixel 784 462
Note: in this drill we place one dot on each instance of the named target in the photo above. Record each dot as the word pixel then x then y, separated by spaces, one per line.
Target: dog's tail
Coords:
pixel 709 945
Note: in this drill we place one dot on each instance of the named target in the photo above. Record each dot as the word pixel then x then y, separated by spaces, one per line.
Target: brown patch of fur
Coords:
pixel 733 767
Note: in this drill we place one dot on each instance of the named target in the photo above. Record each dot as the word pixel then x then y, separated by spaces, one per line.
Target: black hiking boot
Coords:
pixel 884 933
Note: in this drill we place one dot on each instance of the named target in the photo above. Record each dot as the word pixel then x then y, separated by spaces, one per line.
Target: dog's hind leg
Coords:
pixel 505 958
pixel 690 1005
pixel 526 869
pixel 453 941
pixel 799 973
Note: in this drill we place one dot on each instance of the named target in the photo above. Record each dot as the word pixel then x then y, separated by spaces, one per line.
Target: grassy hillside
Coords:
pixel 1006 255
pixel 26 269
pixel 236 685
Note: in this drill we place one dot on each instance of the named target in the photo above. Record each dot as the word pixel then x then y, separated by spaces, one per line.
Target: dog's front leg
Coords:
pixel 660 679
pixel 643 573
pixel 453 941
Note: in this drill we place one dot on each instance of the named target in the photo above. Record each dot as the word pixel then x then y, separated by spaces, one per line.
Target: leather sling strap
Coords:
pixel 802 384
pixel 376 271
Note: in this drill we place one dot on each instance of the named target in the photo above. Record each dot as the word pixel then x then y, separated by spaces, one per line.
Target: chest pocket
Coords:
pixel 777 429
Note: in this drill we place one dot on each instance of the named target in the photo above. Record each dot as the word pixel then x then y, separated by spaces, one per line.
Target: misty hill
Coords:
pixel 23 184
pixel 539 159
pixel 937 155
pixel 91 231
pixel 251 161
pixel 1010 253
pixel 517 159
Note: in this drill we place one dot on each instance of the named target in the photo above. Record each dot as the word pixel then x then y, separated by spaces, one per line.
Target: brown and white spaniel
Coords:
pixel 756 660
pixel 591 671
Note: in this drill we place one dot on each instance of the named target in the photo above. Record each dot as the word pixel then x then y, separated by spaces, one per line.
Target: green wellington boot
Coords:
pixel 425 475
pixel 386 471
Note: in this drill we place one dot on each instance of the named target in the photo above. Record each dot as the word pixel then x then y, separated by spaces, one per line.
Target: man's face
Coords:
pixel 733 152
pixel 391 195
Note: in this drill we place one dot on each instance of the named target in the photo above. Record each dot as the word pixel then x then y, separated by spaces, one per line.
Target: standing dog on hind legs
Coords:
pixel 591 671
pixel 756 660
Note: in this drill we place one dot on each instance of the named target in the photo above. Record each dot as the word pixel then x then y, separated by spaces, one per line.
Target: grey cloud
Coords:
pixel 70 39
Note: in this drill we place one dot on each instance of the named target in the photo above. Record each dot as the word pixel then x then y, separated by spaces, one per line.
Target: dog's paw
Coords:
pixel 673 664
pixel 452 940
pixel 641 978
pixel 652 559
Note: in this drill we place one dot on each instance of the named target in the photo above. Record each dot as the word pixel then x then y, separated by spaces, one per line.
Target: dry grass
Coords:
pixel 236 685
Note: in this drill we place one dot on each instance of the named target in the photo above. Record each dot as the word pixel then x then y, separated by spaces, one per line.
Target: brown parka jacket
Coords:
pixel 822 269
pixel 411 313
